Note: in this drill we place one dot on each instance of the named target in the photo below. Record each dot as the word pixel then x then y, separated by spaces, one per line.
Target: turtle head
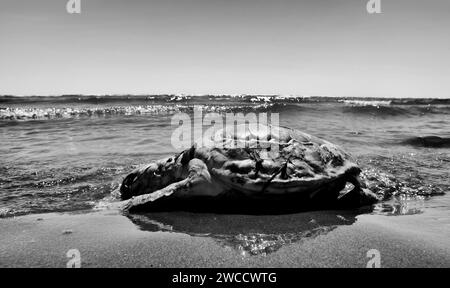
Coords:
pixel 148 179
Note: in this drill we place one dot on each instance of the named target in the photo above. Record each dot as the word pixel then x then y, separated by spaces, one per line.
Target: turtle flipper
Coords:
pixel 180 186
pixel 358 196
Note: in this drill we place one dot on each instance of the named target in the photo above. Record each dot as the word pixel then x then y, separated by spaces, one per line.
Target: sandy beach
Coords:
pixel 108 239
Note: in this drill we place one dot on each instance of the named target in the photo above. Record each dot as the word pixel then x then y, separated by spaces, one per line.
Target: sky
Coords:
pixel 317 47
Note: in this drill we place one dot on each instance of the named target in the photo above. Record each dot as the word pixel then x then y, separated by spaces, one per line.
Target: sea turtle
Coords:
pixel 259 168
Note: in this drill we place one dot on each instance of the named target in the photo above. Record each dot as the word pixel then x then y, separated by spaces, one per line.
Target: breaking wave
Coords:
pixel 19 113
pixel 40 107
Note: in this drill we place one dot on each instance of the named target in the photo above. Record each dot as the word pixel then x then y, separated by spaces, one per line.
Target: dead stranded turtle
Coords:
pixel 253 169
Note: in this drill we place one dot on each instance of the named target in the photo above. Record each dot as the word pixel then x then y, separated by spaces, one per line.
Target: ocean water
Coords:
pixel 68 153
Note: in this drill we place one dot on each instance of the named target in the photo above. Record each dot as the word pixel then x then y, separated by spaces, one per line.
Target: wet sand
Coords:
pixel 109 239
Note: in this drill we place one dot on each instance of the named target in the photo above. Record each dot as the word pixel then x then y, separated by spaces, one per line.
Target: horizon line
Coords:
pixel 215 95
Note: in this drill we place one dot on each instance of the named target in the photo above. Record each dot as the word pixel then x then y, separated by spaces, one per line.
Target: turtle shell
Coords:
pixel 257 159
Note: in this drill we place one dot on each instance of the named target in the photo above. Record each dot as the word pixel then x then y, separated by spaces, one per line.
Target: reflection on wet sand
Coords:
pixel 249 234
pixel 398 208
pixel 263 234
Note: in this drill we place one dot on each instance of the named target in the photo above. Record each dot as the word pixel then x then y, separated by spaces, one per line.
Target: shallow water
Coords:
pixel 68 153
